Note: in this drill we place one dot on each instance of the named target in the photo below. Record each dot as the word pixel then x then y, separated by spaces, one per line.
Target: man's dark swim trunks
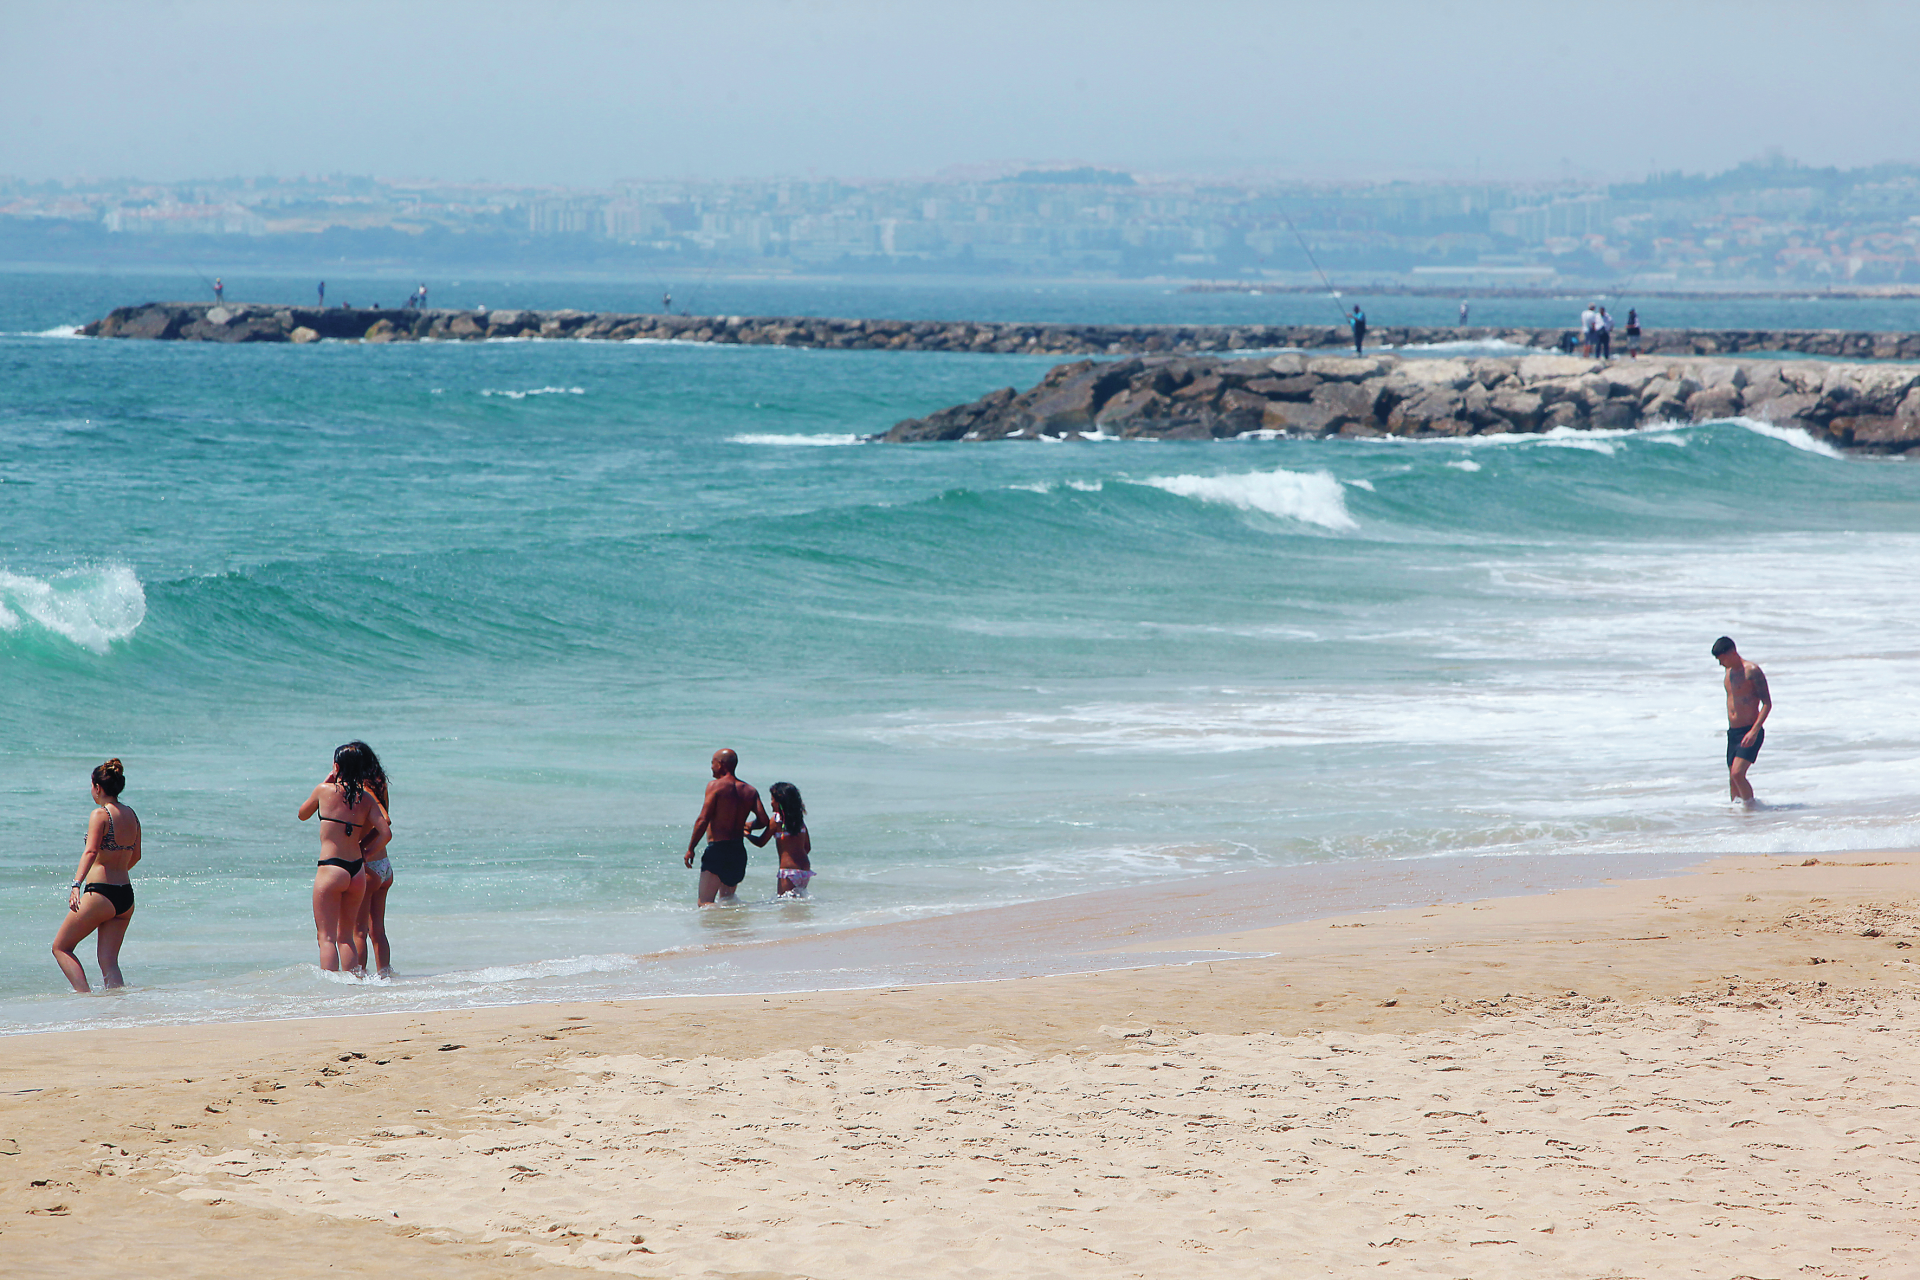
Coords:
pixel 727 859
pixel 1734 750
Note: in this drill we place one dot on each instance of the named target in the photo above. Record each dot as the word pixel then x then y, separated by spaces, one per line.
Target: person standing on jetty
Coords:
pixel 1603 335
pixel 101 896
pixel 323 295
pixel 1359 323
pixel 723 819
pixel 1633 333
pixel 219 291
pixel 1463 313
pixel 1588 319
pixel 1749 703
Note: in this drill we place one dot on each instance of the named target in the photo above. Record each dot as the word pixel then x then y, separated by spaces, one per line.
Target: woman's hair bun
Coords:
pixel 110 777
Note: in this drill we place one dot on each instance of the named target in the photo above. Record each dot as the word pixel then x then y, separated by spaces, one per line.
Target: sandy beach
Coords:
pixel 1708 1074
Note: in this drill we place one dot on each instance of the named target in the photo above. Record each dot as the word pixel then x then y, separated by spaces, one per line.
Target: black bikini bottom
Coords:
pixel 351 868
pixel 120 895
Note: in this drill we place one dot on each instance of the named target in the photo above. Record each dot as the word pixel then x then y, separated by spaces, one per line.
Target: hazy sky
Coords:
pixel 584 91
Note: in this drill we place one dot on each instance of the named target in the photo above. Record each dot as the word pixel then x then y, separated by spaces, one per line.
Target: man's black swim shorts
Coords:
pixel 1734 750
pixel 727 859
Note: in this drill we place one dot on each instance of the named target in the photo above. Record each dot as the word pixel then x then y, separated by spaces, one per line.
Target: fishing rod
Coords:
pixel 666 289
pixel 203 275
pixel 1333 294
pixel 701 287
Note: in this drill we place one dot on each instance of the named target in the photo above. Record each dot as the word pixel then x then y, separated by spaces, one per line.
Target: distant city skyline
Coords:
pixel 593 92
pixel 1759 224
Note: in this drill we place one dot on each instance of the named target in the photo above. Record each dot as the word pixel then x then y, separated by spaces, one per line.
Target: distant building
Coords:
pixel 186 220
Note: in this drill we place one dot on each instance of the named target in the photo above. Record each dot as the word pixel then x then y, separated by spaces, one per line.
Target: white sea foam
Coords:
pixel 90 607
pixel 1055 486
pixel 1470 347
pixel 568 967
pixel 824 440
pixel 58 331
pixel 1594 439
pixel 1787 435
pixel 537 391
pixel 1577 440
pixel 1310 497
pixel 1463 464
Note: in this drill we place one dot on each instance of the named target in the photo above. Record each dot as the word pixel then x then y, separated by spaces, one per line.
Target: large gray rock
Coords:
pixel 1518 410
pixel 1439 410
pixel 1614 415
pixel 1311 418
pixel 1789 409
pixel 1712 403
pixel 1345 368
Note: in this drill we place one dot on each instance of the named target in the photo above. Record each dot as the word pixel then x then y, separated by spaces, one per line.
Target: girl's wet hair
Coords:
pixel 357 770
pixel 110 777
pixel 793 810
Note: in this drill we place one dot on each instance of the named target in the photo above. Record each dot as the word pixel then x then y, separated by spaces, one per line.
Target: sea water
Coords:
pixel 547 579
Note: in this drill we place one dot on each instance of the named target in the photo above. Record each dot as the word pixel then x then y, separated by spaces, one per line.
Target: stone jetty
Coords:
pixel 1870 407
pixel 249 322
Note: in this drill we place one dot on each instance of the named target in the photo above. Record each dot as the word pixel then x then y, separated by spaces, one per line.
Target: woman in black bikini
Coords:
pixel 339 882
pixel 101 896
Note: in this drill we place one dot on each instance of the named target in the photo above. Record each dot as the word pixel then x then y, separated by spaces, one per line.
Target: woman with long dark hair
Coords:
pixel 370 926
pixel 101 896
pixel 338 878
pixel 795 842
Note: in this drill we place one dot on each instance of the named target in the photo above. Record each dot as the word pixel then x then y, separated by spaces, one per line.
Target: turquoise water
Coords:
pixel 546 580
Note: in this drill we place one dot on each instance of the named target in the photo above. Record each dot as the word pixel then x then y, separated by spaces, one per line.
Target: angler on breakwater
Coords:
pixel 238 322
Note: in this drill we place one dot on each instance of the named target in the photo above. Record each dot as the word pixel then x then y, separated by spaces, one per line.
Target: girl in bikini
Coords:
pixel 101 897
pixel 370 927
pixel 347 811
pixel 789 827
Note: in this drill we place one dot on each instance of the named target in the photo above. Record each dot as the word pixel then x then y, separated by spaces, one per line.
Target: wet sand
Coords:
pixel 1708 1074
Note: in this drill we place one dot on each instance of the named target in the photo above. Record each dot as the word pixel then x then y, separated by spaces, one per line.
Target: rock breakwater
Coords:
pixel 1874 407
pixel 247 322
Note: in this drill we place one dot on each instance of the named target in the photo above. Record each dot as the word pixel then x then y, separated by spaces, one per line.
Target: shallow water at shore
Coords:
pixel 546 580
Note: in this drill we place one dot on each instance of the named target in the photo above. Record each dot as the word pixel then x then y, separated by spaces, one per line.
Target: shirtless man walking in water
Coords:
pixel 1749 703
pixel 724 821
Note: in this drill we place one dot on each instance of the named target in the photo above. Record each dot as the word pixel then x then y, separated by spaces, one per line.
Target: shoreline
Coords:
pixel 1694 1073
pixel 1076 934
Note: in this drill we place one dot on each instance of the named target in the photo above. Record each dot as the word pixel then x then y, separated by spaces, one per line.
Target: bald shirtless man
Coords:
pixel 1749 703
pixel 724 820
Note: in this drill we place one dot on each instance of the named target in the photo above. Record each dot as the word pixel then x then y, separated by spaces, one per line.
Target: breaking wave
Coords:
pixel 88 607
pixel 1314 498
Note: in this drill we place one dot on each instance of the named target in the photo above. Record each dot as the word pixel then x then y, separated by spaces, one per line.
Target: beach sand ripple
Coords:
pixel 1718 1137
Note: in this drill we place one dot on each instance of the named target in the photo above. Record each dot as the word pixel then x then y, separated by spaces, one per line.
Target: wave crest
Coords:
pixel 537 391
pixel 827 440
pixel 1313 497
pixel 89 607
